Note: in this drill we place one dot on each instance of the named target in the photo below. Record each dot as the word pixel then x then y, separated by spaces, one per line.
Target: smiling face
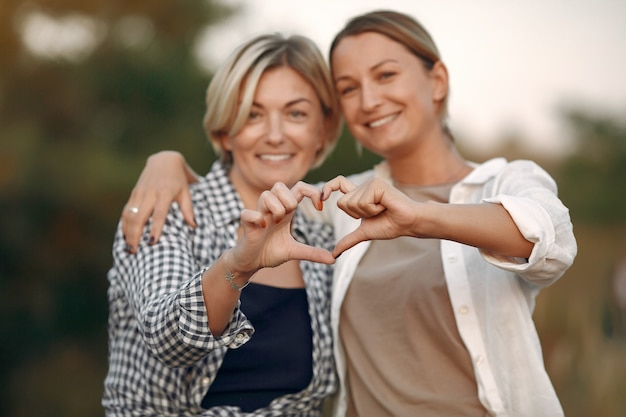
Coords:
pixel 281 137
pixel 390 101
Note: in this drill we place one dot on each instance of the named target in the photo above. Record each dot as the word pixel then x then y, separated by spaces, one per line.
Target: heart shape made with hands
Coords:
pixel 379 206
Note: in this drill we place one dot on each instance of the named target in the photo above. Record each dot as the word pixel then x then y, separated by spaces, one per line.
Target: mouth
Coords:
pixel 275 157
pixel 382 121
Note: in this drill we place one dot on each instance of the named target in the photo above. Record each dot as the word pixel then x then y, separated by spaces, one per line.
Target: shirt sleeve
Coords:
pixel 529 194
pixel 162 284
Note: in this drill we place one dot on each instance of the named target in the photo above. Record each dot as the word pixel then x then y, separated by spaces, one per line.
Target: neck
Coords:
pixel 438 163
pixel 249 197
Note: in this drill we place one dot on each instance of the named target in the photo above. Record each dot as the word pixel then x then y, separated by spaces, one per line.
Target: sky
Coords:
pixel 513 64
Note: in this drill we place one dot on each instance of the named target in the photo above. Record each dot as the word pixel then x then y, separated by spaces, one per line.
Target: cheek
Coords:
pixel 422 98
pixel 311 139
pixel 311 134
pixel 348 109
pixel 320 135
pixel 245 139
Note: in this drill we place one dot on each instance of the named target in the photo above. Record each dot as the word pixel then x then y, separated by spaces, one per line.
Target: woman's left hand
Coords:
pixel 385 212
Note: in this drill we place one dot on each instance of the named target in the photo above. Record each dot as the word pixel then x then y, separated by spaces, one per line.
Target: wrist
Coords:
pixel 236 278
pixel 424 224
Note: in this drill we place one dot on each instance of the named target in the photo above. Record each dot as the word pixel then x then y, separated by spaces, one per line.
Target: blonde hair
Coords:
pixel 231 91
pixel 403 29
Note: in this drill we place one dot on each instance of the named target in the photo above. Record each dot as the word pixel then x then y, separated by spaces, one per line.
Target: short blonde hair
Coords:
pixel 231 91
pixel 400 28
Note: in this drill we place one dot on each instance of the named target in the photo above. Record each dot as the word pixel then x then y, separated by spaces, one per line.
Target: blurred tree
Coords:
pixel 87 91
pixel 580 317
pixel 592 179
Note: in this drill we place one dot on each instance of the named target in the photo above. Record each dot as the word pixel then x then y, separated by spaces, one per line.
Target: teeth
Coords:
pixel 382 121
pixel 271 157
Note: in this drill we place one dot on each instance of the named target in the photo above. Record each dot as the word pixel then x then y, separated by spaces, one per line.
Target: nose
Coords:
pixel 370 97
pixel 275 132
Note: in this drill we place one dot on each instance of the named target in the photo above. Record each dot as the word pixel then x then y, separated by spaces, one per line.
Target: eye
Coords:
pixel 253 115
pixel 344 90
pixel 386 75
pixel 297 114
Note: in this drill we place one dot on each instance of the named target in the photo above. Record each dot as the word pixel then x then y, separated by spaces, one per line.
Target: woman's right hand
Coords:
pixel 165 179
pixel 267 240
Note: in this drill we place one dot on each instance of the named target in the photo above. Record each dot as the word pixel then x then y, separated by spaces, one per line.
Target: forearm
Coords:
pixel 220 297
pixel 160 289
pixel 485 226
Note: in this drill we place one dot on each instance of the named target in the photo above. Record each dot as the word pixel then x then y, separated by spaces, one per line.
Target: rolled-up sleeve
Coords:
pixel 529 194
pixel 163 285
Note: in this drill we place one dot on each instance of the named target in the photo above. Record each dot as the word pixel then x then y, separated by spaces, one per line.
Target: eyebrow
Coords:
pixel 373 68
pixel 289 103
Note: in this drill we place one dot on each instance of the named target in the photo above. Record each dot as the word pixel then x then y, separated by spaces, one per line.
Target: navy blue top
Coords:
pixel 277 360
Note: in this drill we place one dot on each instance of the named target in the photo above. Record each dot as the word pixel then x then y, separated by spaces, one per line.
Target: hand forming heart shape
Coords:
pixel 267 241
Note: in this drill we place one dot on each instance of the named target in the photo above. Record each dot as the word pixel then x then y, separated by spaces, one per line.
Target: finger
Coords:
pixel 252 218
pixel 186 207
pixel 270 205
pixel 358 207
pixel 339 183
pixel 302 189
pixel 134 218
pixel 159 215
pixel 348 241
pixel 285 196
pixel 300 251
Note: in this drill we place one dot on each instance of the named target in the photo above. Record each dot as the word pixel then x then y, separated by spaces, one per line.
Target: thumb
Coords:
pixel 348 241
pixel 300 251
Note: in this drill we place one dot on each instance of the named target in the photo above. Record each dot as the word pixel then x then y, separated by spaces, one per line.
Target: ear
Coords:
pixel 439 75
pixel 224 141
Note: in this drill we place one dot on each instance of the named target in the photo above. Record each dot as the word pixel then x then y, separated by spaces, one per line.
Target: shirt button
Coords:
pixel 463 309
pixel 239 338
pixel 206 380
pixel 480 359
pixel 452 258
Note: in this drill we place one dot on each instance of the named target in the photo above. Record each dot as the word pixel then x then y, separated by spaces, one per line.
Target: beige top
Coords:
pixel 405 356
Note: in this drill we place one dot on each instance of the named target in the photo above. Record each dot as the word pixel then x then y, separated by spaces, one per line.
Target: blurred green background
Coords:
pixel 75 130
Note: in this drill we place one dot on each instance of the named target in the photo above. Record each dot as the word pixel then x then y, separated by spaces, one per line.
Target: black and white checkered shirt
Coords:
pixel 162 355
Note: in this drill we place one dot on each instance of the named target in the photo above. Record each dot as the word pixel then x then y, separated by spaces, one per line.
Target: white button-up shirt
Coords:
pixel 493 298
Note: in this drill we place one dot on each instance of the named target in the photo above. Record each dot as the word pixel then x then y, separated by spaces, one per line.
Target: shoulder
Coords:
pixel 526 173
pixel 502 168
pixel 213 184
pixel 214 196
